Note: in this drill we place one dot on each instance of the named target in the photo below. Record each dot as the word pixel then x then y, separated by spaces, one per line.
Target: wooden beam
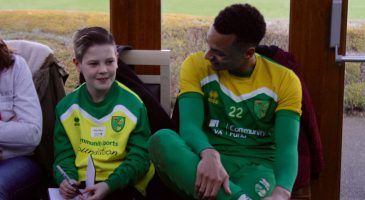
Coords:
pixel 309 33
pixel 137 23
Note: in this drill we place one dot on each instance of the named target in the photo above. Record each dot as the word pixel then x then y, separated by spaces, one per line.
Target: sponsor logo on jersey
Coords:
pixel 118 123
pixel 261 107
pixel 213 97
pixel 214 123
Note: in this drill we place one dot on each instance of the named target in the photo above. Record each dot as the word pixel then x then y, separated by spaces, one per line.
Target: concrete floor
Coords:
pixel 353 159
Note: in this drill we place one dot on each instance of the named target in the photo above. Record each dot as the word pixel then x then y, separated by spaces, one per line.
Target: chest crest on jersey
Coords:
pixel 261 108
pixel 118 123
pixel 213 97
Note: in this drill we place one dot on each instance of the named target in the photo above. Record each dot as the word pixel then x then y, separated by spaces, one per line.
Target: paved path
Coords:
pixel 353 159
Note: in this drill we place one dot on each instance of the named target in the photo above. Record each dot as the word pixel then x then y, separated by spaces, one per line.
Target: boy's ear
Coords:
pixel 117 57
pixel 77 64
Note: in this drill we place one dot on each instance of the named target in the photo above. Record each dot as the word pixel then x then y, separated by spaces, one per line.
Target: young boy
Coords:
pixel 102 118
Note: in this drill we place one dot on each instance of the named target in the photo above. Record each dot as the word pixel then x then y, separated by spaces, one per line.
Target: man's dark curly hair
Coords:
pixel 243 20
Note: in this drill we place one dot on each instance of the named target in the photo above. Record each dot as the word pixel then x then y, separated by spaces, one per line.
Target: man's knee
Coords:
pixel 162 139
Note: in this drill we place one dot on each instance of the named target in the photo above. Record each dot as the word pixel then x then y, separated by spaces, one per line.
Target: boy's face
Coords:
pixel 99 66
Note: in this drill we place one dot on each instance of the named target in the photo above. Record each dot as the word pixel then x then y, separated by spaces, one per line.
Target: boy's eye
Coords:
pixel 93 64
pixel 110 62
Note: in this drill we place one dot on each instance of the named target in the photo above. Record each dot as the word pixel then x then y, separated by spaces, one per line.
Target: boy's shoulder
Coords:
pixel 128 93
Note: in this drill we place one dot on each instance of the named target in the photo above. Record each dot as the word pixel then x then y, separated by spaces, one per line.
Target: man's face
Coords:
pixel 221 53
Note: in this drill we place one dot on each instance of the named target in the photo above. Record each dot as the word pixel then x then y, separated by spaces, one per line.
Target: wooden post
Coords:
pixel 309 35
pixel 137 23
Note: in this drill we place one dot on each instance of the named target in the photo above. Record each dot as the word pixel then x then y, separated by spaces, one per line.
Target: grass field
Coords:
pixel 271 9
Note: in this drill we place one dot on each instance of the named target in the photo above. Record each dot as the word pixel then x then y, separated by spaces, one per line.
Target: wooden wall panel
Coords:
pixel 137 23
pixel 309 35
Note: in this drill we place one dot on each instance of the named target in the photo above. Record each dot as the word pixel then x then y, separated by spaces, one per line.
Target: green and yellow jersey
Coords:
pixel 114 131
pixel 240 111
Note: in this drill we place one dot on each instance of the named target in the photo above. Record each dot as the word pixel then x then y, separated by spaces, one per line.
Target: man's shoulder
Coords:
pixel 273 66
pixel 197 58
pixel 195 63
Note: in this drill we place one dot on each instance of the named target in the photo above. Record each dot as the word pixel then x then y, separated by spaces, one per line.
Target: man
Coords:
pixel 239 118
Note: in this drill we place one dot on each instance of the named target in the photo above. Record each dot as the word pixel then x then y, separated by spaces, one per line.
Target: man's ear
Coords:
pixel 250 52
pixel 77 64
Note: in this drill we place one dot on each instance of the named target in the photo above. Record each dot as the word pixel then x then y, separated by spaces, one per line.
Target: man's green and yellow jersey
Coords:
pixel 240 111
pixel 114 132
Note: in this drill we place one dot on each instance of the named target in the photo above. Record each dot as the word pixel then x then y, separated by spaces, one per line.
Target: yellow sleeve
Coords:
pixel 192 71
pixel 290 94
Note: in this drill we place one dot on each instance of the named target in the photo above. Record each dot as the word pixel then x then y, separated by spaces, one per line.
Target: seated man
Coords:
pixel 239 118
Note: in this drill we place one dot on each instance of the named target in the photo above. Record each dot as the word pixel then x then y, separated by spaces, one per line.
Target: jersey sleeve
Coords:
pixel 137 162
pixel 290 94
pixel 192 72
pixel 63 153
pixel 286 138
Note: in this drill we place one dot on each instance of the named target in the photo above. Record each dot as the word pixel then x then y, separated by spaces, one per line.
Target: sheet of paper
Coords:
pixel 90 172
pixel 54 194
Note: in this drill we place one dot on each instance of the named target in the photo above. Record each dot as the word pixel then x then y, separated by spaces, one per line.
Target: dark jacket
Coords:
pixel 311 161
pixel 49 82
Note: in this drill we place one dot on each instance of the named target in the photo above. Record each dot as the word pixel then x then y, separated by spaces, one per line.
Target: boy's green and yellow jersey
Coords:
pixel 114 131
pixel 240 110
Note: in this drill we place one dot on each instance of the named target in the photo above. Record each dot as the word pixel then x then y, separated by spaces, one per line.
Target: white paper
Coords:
pixel 54 194
pixel 90 172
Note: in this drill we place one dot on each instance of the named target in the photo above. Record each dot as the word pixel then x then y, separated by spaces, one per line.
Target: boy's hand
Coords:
pixel 67 190
pixel 96 192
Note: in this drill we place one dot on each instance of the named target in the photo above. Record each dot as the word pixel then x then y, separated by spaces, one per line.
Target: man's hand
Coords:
pixel 279 193
pixel 211 175
pixel 67 190
pixel 97 191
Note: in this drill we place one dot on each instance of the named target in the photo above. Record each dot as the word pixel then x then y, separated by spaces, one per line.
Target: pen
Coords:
pixel 67 178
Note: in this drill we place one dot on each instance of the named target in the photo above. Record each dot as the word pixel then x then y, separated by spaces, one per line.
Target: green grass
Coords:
pixel 270 8
pixel 76 5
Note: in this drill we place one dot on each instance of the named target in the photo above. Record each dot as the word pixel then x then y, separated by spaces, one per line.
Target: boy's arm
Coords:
pixel 137 161
pixel 63 153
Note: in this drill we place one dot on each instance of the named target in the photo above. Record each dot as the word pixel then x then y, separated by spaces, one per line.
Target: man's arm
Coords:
pixel 286 159
pixel 211 174
pixel 191 107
